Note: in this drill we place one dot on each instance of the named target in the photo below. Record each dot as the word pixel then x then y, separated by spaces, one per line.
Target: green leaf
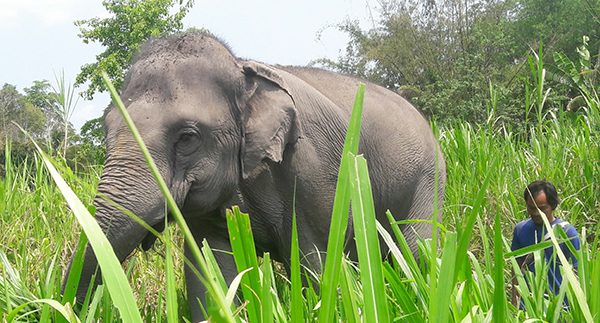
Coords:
pixel 367 243
pixel 348 290
pixel 112 273
pixel 297 306
pixel 439 308
pixel 244 253
pixel 339 217
pixel 465 232
pixel 172 314
pixel 75 272
pixel 65 310
pixel 569 274
pixel 266 297
pixel 499 311
pixel 233 287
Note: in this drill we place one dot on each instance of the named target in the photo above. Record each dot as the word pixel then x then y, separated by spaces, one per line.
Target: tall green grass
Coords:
pixel 462 276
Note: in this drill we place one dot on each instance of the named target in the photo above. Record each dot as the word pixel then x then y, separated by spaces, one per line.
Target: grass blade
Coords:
pixel 348 291
pixel 569 274
pixel 235 284
pixel 499 311
pixel 407 262
pixel 75 273
pixel 93 307
pixel 466 231
pixel 65 310
pixel 297 306
pixel 112 273
pixel 339 217
pixel 439 307
pixel 367 243
pixel 172 314
pixel 244 253
pixel 265 297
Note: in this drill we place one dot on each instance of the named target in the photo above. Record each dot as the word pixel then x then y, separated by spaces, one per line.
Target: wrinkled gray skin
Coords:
pixel 225 131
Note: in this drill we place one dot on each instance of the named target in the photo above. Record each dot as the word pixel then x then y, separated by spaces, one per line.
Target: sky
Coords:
pixel 38 39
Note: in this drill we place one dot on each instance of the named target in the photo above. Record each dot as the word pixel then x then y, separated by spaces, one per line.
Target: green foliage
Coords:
pixel 91 149
pixel 558 24
pixel 44 112
pixel 24 111
pixel 14 107
pixel 464 280
pixel 41 95
pixel 132 22
pixel 112 274
pixel 446 52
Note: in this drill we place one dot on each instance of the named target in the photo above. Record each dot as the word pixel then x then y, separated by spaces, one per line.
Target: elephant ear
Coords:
pixel 269 119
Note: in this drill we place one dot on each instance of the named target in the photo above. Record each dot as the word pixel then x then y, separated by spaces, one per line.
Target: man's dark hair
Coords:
pixel 536 187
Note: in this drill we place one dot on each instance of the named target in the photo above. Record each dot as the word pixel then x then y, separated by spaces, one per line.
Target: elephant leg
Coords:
pixel 218 240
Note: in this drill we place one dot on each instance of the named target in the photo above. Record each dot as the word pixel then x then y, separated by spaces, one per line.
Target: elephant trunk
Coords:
pixel 128 183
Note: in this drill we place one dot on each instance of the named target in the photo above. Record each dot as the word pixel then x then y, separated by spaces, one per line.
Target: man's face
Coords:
pixel 539 202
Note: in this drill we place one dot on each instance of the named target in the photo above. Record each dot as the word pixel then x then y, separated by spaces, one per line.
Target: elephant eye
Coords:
pixel 188 142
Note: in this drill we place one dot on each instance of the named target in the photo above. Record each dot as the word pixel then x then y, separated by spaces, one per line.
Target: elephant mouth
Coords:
pixel 150 238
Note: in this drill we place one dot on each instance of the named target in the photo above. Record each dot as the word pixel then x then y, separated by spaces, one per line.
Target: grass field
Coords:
pixel 466 279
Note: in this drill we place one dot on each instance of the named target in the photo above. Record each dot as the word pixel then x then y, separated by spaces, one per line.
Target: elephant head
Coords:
pixel 210 121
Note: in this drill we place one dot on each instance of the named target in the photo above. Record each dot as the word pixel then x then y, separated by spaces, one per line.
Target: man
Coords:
pixel 542 196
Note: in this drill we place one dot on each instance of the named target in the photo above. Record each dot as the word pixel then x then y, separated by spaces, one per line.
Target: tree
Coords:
pixel 132 22
pixel 40 95
pixel 15 108
pixel 436 49
pixel 40 113
pixel 559 24
pixel 443 54
pixel 9 98
pixel 91 149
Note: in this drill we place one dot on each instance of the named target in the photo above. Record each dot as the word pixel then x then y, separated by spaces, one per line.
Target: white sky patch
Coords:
pixel 87 110
pixel 49 12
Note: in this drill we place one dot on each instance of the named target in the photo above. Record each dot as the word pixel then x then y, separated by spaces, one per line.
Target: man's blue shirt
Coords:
pixel 527 233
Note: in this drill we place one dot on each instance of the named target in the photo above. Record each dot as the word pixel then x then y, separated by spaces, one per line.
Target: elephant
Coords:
pixel 227 131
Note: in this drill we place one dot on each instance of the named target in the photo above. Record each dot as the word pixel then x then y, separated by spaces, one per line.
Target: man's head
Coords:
pixel 541 195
